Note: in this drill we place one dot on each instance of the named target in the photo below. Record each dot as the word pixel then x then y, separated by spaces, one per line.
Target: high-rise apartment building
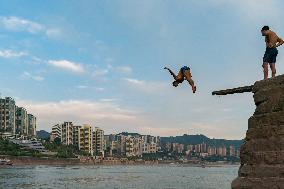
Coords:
pixel 67 133
pixel 134 146
pixel 222 151
pixel 22 121
pixel 7 115
pixel 212 151
pixel 55 132
pixel 98 141
pixel 86 139
pixel 232 151
pixel 149 148
pixel 76 135
pixel 31 125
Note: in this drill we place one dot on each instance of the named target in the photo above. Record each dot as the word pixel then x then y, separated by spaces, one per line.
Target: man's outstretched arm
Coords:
pixel 171 72
pixel 279 42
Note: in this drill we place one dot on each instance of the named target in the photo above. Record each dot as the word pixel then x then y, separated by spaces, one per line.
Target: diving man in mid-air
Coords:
pixel 184 73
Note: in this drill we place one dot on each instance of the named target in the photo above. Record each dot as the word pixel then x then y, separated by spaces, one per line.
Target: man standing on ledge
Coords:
pixel 272 42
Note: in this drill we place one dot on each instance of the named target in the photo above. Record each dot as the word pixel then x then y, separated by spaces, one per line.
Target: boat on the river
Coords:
pixel 5 162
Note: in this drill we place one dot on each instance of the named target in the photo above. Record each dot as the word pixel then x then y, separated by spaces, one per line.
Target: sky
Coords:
pixel 101 62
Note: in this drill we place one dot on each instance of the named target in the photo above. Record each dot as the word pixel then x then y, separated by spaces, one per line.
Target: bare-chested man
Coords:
pixel 272 42
pixel 184 73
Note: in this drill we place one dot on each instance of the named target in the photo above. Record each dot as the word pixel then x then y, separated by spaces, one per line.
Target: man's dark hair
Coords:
pixel 175 83
pixel 264 28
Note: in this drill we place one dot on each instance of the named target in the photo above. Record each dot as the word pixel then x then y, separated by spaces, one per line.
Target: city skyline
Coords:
pixel 102 62
pixel 134 145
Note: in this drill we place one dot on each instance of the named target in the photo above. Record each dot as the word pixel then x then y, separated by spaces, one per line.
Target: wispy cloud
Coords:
pixel 100 89
pixel 82 87
pixel 123 69
pixel 108 99
pixel 17 24
pixel 152 87
pixel 79 111
pixel 100 72
pixel 11 54
pixel 67 65
pixel 135 81
pixel 53 32
pixel 27 75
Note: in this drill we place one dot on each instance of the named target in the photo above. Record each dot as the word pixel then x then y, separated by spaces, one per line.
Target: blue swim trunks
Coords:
pixel 270 55
pixel 183 69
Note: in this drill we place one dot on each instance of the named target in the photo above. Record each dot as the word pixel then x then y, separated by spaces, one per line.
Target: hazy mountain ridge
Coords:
pixel 199 139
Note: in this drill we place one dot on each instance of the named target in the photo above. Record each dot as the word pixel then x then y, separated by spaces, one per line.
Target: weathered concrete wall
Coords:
pixel 262 154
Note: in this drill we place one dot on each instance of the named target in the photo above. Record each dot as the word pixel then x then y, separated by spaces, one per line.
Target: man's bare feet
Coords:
pixel 194 89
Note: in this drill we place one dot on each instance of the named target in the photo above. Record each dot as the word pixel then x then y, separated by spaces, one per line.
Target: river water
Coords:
pixel 118 177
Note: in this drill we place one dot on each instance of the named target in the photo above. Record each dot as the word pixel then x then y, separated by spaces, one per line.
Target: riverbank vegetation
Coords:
pixel 64 151
pixel 9 148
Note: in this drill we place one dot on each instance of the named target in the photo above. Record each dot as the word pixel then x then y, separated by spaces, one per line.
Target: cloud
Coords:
pixel 114 118
pixel 78 111
pixel 27 75
pixel 135 81
pixel 67 65
pixel 16 24
pixel 11 54
pixel 53 32
pixel 123 69
pixel 108 99
pixel 36 60
pixel 152 87
pixel 100 72
pixel 100 89
pixel 82 87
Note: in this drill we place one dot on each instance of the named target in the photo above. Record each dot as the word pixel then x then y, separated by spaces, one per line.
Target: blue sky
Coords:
pixel 100 62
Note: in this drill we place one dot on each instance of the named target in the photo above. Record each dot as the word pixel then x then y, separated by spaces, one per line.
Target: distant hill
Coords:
pixel 198 139
pixel 127 134
pixel 43 134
